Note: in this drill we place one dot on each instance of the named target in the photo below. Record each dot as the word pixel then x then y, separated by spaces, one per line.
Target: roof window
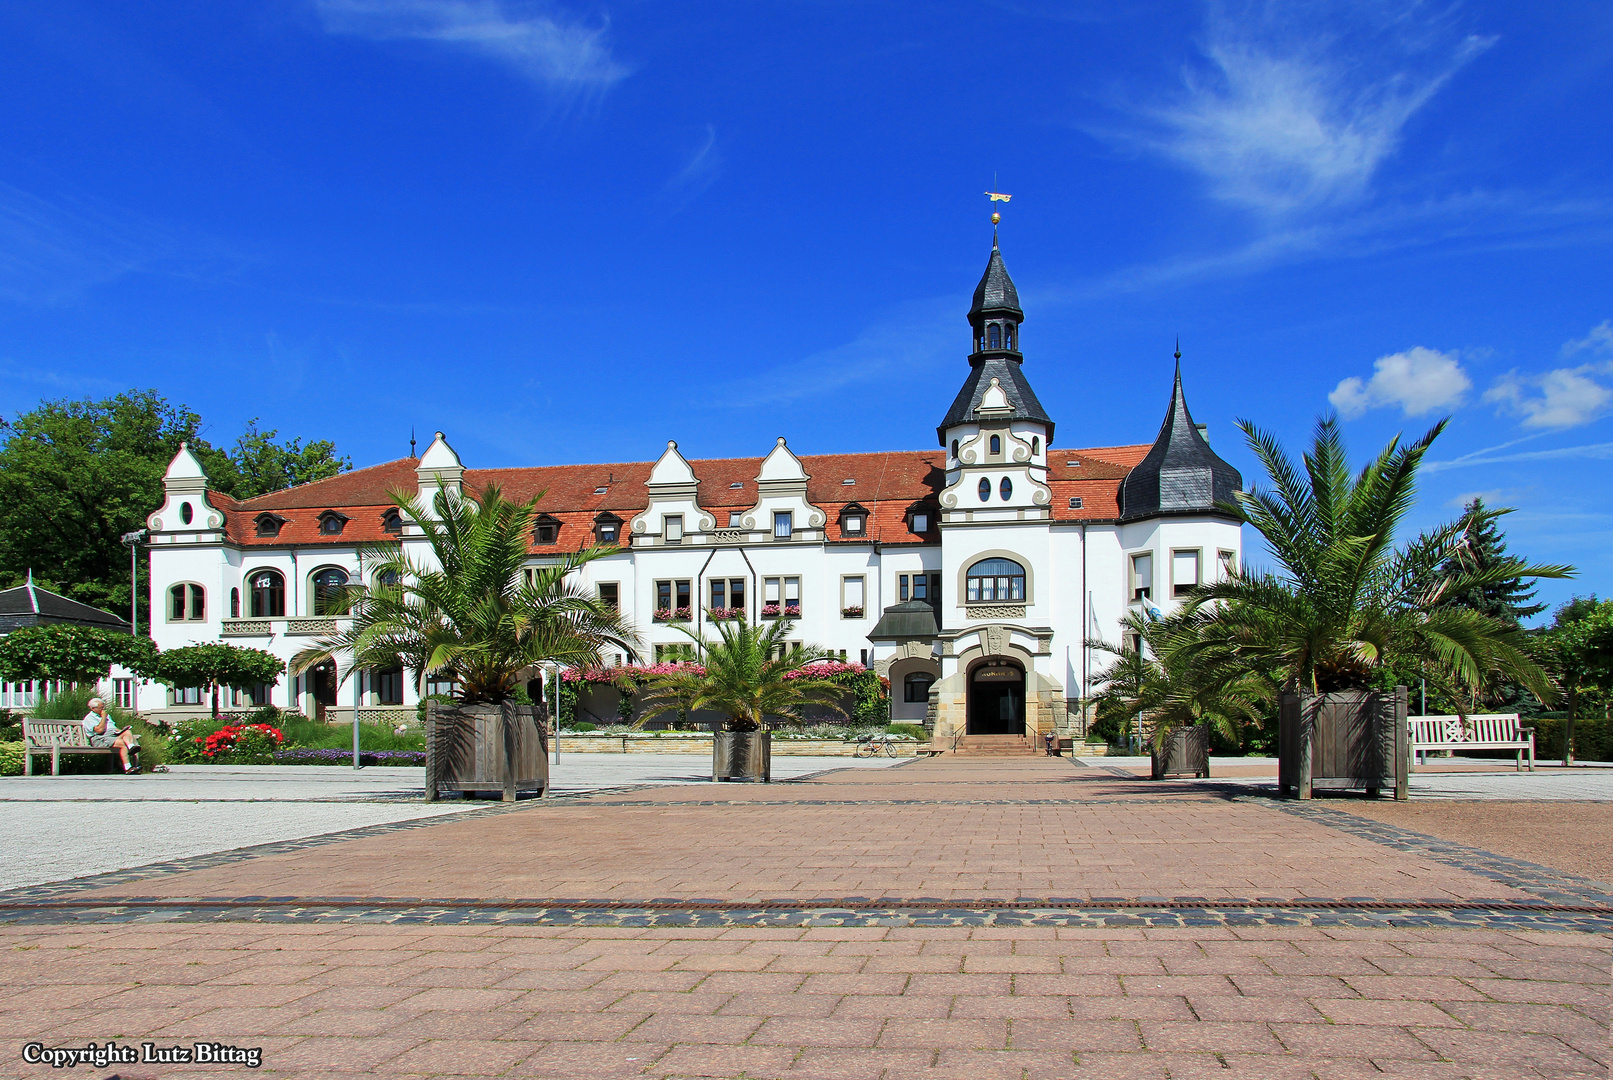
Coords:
pixel 601 490
pixel 735 487
pixel 1075 502
pixel 331 523
pixel 1072 464
pixel 269 524
pixel 848 483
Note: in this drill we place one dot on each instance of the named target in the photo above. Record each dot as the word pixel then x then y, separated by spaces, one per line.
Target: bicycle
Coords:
pixel 874 745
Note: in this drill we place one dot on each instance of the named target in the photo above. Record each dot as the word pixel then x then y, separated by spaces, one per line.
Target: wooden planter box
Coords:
pixel 486 748
pixel 743 756
pixel 1343 740
pixel 1187 751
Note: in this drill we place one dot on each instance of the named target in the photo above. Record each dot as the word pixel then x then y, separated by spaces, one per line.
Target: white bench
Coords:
pixel 1482 731
pixel 58 737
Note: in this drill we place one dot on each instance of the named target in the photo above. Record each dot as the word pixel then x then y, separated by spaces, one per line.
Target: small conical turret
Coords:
pixel 1180 474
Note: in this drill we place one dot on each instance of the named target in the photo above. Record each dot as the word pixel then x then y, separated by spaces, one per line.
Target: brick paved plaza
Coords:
pixel 972 919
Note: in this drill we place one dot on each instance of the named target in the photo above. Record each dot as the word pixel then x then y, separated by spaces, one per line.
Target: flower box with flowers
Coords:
pixel 681 614
pixel 773 611
pixel 718 614
pixel 851 613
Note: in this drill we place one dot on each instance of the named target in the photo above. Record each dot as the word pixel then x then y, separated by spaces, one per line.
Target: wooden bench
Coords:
pixel 58 737
pixel 1486 731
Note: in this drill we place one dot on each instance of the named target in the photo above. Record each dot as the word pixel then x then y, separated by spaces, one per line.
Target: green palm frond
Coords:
pixel 746 677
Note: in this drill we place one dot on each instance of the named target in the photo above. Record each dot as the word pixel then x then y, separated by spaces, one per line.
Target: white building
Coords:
pixel 970 575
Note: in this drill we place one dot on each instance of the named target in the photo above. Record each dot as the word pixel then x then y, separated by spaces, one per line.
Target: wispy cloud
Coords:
pixel 698 173
pixel 1598 451
pixel 1563 397
pixel 1416 381
pixel 543 45
pixel 1291 108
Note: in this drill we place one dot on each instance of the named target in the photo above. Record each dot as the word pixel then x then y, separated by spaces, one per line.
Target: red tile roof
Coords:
pixel 889 484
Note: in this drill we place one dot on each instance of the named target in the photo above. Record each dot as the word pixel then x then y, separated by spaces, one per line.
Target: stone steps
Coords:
pixel 989 746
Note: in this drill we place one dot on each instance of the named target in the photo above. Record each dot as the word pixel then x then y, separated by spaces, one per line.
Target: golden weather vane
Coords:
pixel 996 197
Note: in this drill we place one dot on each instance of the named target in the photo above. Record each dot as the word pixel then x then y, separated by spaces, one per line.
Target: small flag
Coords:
pixel 998 196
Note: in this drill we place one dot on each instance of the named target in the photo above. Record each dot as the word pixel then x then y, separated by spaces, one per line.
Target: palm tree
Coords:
pixel 474 613
pixel 1348 603
pixel 1165 677
pixel 749 673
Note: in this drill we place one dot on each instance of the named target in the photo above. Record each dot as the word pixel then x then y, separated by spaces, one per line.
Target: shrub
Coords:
pixel 913 731
pixel 1593 738
pixel 10 759
pixel 583 725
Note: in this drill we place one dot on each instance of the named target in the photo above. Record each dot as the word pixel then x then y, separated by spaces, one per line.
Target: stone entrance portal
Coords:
pixel 997 698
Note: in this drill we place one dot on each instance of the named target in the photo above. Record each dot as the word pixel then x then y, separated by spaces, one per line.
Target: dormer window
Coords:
pixel 546 529
pixel 918 520
pixel 269 524
pixel 854 520
pixel 392 523
pixel 331 523
pixel 607 528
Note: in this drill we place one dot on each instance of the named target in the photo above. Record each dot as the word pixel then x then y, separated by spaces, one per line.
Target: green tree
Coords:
pixel 471 614
pixel 77 654
pixel 1579 647
pixel 75 476
pixel 262 465
pixel 214 666
pixel 748 674
pixel 1482 548
pixel 1165 676
pixel 1349 605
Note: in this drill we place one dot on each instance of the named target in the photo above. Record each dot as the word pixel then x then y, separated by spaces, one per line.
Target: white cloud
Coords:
pixel 1564 398
pixel 547 48
pixel 1595 451
pixel 1492 498
pixel 1291 111
pixel 1416 381
pixel 1600 340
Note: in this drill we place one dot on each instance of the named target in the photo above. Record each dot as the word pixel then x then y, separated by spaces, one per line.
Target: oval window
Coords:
pixel 1006 489
pixel 186 513
pixel 985 489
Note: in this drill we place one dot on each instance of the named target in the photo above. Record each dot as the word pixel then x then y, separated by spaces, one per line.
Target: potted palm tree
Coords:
pixel 475 615
pixel 1177 691
pixel 1348 607
pixel 748 674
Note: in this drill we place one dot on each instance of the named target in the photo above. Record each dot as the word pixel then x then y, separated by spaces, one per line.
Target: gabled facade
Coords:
pixel 971 575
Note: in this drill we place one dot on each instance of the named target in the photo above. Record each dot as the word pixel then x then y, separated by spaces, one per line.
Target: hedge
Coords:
pixel 1593 738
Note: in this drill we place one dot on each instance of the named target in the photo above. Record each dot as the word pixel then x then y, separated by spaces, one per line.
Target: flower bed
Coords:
pixel 331 756
pixel 241 744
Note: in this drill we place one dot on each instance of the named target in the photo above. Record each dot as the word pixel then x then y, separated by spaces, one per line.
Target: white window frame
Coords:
pixel 1181 588
pixel 1141 590
pixel 846 593
pixel 672 529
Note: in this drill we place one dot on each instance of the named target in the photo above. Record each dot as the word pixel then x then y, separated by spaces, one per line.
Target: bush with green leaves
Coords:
pixel 214 666
pixel 11 759
pixel 72 653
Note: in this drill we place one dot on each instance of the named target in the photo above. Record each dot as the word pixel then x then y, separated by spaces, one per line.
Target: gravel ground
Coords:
pixel 1567 836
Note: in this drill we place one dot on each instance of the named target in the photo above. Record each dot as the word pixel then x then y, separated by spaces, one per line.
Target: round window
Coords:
pixel 985 489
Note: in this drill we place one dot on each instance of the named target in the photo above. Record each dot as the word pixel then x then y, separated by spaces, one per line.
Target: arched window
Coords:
pixel 392 522
pixel 996 336
pixel 1036 445
pixel 995 580
pixel 1008 337
pixel 329 595
pixel 996 444
pixel 235 603
pixel 388 579
pixel 954 449
pixel 985 489
pixel 187 603
pixel 268 594
pixel 331 523
pixel 916 687
pixel 1006 489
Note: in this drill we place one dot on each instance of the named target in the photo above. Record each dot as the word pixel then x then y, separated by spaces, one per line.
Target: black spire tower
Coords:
pixel 994 318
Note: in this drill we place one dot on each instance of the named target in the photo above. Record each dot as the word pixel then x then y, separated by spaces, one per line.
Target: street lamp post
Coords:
pixel 133 539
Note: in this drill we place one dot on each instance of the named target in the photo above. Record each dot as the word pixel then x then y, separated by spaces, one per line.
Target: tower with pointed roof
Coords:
pixel 1180 474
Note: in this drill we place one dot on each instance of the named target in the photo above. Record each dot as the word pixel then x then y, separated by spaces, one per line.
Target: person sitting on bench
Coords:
pixel 102 732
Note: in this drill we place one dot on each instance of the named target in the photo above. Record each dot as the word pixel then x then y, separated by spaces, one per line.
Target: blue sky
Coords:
pixel 570 231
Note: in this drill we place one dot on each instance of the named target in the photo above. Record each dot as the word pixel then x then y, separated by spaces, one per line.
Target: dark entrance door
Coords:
pixel 997 699
pixel 322 683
